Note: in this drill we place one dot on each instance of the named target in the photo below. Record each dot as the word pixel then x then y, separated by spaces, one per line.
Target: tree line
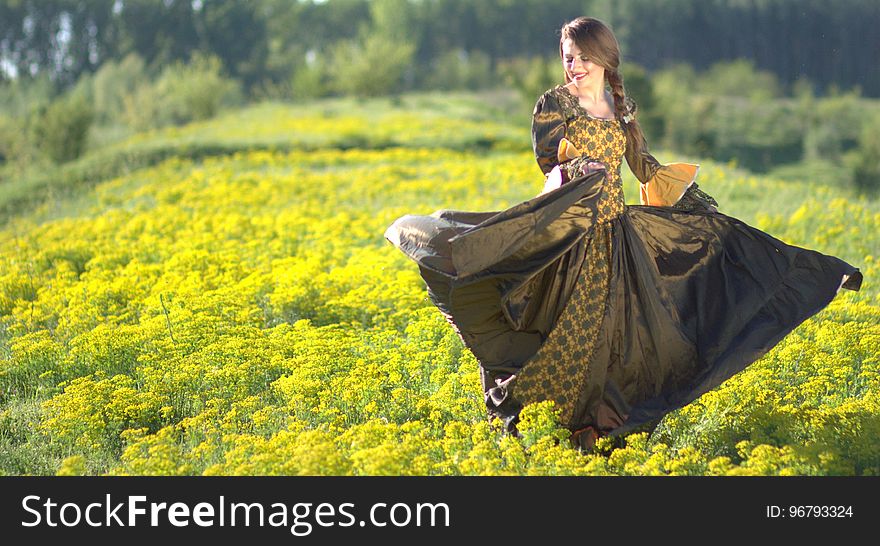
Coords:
pixel 267 43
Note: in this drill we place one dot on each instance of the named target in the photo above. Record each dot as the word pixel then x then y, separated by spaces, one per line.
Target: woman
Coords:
pixel 617 313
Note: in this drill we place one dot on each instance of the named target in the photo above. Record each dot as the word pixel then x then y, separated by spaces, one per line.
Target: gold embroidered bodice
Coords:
pixel 598 140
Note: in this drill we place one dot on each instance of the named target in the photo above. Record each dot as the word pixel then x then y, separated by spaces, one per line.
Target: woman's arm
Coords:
pixel 548 133
pixel 548 130
pixel 672 185
pixel 642 164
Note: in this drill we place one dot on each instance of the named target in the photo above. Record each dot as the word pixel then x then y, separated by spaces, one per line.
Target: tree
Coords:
pixel 370 66
pixel 236 33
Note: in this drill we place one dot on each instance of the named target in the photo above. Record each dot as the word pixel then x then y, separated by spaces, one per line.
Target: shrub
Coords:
pixel 114 81
pixel 639 87
pixel 184 92
pixel 866 162
pixel 9 138
pixel 60 130
pixel 530 76
pixel 835 125
pixel 685 115
pixel 739 78
pixel 758 135
pixel 309 78
pixel 371 66
pixel 23 95
pixel 460 69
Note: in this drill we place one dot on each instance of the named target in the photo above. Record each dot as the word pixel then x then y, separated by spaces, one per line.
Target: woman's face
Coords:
pixel 580 69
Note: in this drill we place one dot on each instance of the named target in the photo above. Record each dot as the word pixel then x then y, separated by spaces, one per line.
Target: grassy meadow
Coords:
pixel 218 298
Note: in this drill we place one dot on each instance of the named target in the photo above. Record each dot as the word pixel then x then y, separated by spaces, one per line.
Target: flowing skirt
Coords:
pixel 620 321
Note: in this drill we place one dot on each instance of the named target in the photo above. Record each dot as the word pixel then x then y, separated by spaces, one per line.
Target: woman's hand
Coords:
pixel 593 166
pixel 555 178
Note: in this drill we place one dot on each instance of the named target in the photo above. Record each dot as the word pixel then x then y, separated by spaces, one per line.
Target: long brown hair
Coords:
pixel 595 39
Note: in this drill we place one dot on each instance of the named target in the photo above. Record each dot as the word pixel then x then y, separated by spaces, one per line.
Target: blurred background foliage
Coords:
pixel 781 86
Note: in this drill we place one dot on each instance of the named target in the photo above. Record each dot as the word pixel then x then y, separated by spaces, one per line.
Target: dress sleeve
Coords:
pixel 548 129
pixel 662 185
pixel 551 148
pixel 642 164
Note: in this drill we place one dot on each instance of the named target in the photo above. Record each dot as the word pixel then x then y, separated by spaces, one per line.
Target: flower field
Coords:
pixel 243 314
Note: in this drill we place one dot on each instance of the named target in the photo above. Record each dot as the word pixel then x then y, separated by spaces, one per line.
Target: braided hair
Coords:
pixel 595 39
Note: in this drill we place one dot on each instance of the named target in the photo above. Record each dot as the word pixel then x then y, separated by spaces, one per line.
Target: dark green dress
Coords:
pixel 619 313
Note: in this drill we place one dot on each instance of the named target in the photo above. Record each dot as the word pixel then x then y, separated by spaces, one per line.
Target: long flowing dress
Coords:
pixel 618 313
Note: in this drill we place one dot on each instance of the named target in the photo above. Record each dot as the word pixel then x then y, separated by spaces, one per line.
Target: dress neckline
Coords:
pixel 576 102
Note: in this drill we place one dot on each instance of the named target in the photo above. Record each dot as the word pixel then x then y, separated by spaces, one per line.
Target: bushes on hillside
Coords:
pixel 372 66
pixel 115 81
pixel 460 69
pixel 639 86
pixel 530 76
pixel 36 122
pixel 758 135
pixel 9 138
pixel 735 112
pixel 183 92
pixel 739 78
pixel 310 78
pixel 60 129
pixel 866 160
pixel 17 99
pixel 835 125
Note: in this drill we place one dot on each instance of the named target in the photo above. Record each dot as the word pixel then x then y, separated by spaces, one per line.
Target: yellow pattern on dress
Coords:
pixel 560 370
